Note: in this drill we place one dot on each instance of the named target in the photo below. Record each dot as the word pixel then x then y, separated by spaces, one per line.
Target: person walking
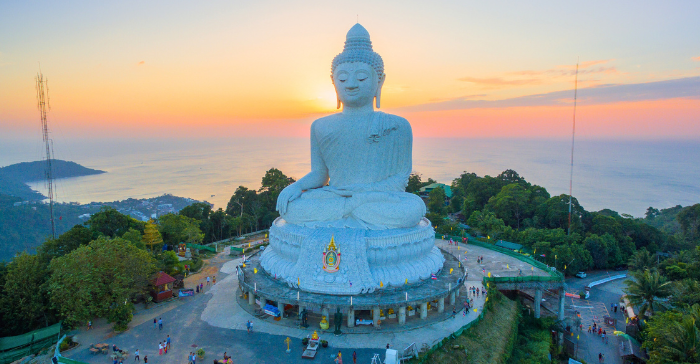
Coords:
pixel 160 348
pixel 214 280
pixel 354 357
pixel 145 359
pixel 89 325
pixel 168 342
pixel 136 355
pixel 207 280
pixel 601 358
pixel 155 322
pixel 160 323
pixel 589 329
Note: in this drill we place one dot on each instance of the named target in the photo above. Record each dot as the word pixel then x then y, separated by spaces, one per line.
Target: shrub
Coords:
pixel 200 353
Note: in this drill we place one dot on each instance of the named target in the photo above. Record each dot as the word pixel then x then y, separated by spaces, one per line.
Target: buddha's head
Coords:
pixel 358 72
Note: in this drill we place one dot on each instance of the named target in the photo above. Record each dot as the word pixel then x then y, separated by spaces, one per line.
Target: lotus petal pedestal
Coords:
pixel 368 259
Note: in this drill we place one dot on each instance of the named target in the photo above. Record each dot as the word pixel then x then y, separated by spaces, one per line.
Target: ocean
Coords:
pixel 625 176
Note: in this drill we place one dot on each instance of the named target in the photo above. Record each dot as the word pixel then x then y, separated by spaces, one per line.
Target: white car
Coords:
pixel 581 274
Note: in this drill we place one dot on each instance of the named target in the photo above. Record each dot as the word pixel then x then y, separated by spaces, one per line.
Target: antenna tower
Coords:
pixel 42 96
pixel 573 135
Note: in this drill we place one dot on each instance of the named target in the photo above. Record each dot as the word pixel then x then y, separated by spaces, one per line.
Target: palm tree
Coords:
pixel 680 341
pixel 645 288
pixel 641 259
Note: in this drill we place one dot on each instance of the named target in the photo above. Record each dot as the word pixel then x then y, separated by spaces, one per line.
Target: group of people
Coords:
pixel 158 323
pixel 599 331
pixel 476 291
pixel 615 306
pixel 479 259
pixel 164 346
pixel 192 358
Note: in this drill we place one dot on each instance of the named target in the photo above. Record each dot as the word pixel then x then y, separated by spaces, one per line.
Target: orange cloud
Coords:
pixel 497 82
pixel 141 63
pixel 696 59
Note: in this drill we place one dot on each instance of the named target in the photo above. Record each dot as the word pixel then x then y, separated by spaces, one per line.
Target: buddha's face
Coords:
pixel 355 84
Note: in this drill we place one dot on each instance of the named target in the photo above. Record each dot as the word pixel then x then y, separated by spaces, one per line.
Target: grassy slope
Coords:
pixel 489 341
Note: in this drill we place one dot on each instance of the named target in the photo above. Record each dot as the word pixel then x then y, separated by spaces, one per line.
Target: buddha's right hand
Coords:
pixel 288 194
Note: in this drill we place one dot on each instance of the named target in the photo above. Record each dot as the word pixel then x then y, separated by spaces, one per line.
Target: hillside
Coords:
pixel 14 177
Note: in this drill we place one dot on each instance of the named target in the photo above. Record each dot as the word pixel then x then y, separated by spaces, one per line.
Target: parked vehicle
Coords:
pixel 581 274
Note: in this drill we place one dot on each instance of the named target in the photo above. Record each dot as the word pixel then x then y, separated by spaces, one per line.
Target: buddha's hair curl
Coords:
pixel 359 50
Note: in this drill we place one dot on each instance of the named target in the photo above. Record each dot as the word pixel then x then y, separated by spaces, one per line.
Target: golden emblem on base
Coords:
pixel 331 257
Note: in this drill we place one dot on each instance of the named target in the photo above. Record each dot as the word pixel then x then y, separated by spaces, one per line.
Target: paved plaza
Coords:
pixel 215 321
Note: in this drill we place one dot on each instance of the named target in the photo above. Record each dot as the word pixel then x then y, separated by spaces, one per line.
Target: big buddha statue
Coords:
pixel 351 210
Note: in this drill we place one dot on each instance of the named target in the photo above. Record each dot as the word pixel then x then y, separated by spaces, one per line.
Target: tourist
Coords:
pixel 248 325
pixel 589 329
pixel 454 313
pixel 160 348
pixel 387 345
pixel 160 323
pixel 600 357
pixel 89 325
pixel 154 322
pixel 145 359
pixel 600 331
pixel 136 355
pixel 207 280
pixel 168 342
pixel 354 357
pixel 603 337
pixel 214 280
pixel 201 287
pixel 196 288
pixel 339 358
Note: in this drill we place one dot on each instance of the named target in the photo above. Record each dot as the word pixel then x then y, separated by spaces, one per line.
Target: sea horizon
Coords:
pixel 623 175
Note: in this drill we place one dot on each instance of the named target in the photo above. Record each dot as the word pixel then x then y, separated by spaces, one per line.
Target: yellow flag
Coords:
pixel 532 268
pixel 534 251
pixel 564 266
pixel 489 274
pixel 243 265
pixel 451 269
pixel 243 250
pixel 507 266
pixel 486 300
pixel 255 270
pixel 298 281
pixel 406 281
pixel 488 236
pixel 555 256
pixel 381 284
pixel 457 247
pixel 627 320
pixel 248 245
pixel 578 337
pixel 572 334
pixel 475 310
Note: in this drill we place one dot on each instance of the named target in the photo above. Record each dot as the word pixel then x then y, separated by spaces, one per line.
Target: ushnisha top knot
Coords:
pixel 358 48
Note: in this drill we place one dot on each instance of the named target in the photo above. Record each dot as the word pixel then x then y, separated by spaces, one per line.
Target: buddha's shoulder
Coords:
pixel 326 121
pixel 399 121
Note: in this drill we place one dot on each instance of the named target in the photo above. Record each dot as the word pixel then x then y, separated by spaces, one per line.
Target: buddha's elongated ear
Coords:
pixel 378 95
pixel 336 94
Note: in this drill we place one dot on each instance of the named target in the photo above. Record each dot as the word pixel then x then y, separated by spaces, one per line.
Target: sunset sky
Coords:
pixel 251 68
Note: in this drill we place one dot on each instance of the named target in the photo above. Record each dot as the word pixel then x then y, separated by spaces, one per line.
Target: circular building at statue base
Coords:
pixel 346 261
pixel 442 289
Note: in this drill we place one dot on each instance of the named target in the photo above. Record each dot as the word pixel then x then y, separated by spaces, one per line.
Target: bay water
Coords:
pixel 626 176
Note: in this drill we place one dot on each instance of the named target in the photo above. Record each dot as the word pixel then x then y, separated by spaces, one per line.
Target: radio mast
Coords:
pixel 573 135
pixel 42 96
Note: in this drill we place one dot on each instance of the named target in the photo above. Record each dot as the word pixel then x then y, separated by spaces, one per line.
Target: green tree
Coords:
pixel 487 223
pixel 414 183
pixel 93 280
pixel 511 204
pixel 689 219
pixel 134 237
pixel 554 213
pixel 24 301
pixel 200 211
pixel 111 223
pixel 77 236
pixel 436 201
pixel 644 289
pixel 151 236
pixel 685 293
pixel 176 229
pixel 642 260
pixel 674 337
